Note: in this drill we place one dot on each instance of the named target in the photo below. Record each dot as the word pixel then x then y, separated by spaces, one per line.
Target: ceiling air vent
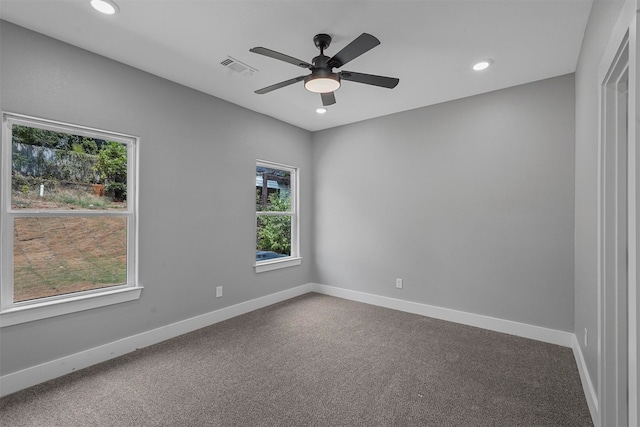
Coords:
pixel 238 67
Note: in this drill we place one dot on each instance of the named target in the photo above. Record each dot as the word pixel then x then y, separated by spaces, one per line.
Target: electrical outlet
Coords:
pixel 586 337
pixel 399 283
pixel 218 291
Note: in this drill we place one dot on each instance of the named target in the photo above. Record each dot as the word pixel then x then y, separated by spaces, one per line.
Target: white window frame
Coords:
pixel 295 258
pixel 26 311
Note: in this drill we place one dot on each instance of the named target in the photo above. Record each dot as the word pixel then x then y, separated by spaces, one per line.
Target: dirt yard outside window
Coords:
pixel 61 255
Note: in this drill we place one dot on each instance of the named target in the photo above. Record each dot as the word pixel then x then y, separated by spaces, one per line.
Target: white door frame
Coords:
pixel 633 167
pixel 618 385
pixel 633 191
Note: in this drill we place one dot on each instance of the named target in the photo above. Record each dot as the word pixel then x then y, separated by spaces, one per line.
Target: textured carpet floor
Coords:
pixel 318 361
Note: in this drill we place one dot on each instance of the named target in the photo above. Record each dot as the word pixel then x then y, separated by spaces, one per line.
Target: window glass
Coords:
pixel 276 216
pixel 62 255
pixel 273 190
pixel 273 237
pixel 61 171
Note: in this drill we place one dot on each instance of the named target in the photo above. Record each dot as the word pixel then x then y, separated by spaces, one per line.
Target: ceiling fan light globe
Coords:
pixel 322 84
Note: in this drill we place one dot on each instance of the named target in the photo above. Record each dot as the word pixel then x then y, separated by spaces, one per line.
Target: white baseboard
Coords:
pixel 587 384
pixel 28 377
pixel 538 333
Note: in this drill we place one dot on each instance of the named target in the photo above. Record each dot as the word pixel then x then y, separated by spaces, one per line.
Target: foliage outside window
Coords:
pixel 276 214
pixel 68 213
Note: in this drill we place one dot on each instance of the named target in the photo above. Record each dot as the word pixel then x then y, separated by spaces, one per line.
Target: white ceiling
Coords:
pixel 429 45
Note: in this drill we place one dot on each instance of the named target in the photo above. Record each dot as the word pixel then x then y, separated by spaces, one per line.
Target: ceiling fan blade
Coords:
pixel 328 98
pixel 279 85
pixel 370 79
pixel 280 56
pixel 363 43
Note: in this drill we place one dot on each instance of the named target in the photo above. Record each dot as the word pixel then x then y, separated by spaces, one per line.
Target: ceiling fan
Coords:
pixel 323 79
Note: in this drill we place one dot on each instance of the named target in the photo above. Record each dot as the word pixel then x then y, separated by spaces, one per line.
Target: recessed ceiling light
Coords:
pixel 482 65
pixel 108 7
pixel 321 110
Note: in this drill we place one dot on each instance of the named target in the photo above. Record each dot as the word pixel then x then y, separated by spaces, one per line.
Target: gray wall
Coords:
pixel 197 197
pixel 471 202
pixel 599 29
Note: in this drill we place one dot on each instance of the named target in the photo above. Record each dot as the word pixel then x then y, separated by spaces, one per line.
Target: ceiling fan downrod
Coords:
pixel 322 42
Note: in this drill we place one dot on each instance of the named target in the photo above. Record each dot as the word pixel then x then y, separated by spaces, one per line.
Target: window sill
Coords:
pixel 277 264
pixel 44 310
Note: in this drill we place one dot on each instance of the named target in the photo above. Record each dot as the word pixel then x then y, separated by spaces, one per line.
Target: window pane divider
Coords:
pixel 70 213
pixel 274 213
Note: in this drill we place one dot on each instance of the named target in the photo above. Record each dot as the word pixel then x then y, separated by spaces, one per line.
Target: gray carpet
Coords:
pixel 318 361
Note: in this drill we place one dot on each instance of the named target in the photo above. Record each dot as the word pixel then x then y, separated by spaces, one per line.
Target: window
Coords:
pixel 68 219
pixel 276 216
